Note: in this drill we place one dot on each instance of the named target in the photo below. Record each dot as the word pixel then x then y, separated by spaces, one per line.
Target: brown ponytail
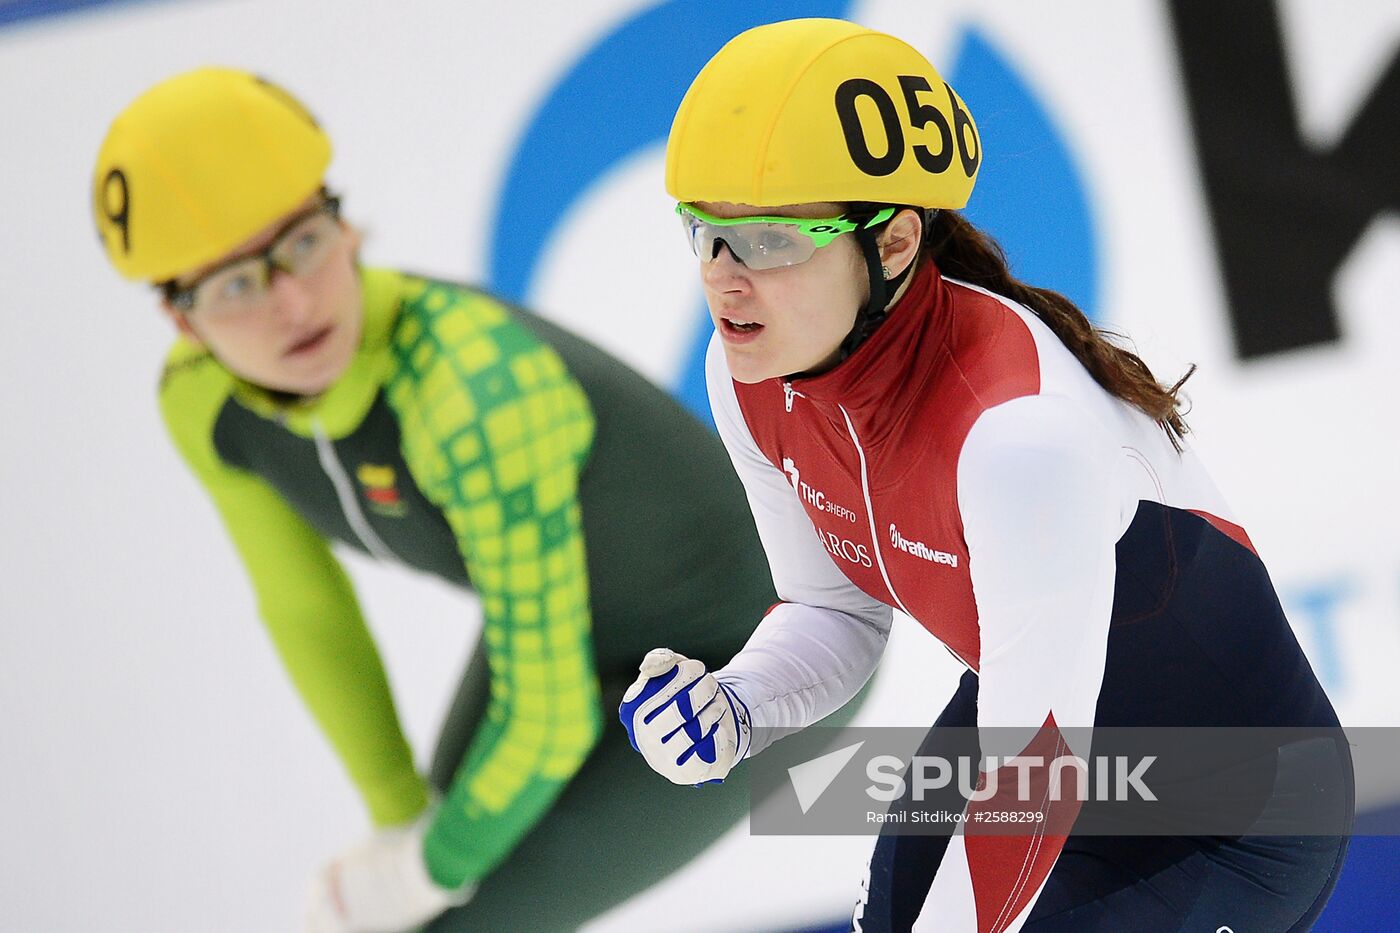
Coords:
pixel 961 251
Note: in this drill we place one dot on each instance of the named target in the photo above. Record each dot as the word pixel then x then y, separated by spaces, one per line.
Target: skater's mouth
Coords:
pixel 310 343
pixel 738 330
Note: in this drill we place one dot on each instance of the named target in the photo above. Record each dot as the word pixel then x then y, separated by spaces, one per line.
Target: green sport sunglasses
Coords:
pixel 769 242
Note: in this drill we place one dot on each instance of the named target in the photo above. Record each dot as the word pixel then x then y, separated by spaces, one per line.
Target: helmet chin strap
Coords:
pixel 873 314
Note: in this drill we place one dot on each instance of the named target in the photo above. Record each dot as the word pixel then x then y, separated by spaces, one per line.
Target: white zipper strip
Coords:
pixel 345 492
pixel 870 512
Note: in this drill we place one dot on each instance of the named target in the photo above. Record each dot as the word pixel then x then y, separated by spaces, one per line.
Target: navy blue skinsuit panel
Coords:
pixel 1197 638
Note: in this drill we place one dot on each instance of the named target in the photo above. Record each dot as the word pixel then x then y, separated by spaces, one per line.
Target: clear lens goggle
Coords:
pixel 769 242
pixel 241 284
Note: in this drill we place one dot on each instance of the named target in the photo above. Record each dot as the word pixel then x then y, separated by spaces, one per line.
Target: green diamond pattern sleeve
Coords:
pixel 495 431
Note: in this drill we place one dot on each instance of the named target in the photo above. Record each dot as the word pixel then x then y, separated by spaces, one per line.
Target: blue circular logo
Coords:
pixel 621 96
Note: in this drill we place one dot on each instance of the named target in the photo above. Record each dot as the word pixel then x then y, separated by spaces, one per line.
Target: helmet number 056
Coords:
pixel 934 161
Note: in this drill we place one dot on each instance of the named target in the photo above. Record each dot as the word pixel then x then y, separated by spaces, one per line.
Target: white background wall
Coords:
pixel 157 770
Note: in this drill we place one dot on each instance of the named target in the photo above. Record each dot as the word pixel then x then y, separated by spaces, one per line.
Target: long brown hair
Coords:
pixel 961 251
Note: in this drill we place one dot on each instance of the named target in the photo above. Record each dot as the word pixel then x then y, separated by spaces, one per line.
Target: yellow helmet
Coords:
pixel 821 110
pixel 198 164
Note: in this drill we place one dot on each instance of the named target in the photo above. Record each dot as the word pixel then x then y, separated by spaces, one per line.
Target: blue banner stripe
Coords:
pixel 18 11
pixel 618 99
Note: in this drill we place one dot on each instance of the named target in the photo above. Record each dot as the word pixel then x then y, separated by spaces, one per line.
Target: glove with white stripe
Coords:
pixel 690 727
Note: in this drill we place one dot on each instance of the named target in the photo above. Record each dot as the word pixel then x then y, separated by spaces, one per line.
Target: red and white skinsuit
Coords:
pixel 963 467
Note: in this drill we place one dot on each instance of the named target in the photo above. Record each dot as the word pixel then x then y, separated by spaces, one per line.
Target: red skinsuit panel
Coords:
pixel 911 392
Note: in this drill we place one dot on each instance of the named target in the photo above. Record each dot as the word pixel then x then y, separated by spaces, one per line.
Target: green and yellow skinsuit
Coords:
pixel 593 516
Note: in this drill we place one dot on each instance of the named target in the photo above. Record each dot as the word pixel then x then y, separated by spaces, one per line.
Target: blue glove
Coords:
pixel 690 727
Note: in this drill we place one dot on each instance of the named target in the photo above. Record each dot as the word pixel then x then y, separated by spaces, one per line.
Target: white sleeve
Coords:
pixel 1040 511
pixel 816 649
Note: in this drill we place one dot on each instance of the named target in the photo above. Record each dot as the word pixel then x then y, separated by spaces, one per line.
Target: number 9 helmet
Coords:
pixel 812 110
pixel 199 163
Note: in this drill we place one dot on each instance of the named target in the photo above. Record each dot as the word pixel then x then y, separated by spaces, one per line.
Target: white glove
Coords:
pixel 380 885
pixel 690 727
